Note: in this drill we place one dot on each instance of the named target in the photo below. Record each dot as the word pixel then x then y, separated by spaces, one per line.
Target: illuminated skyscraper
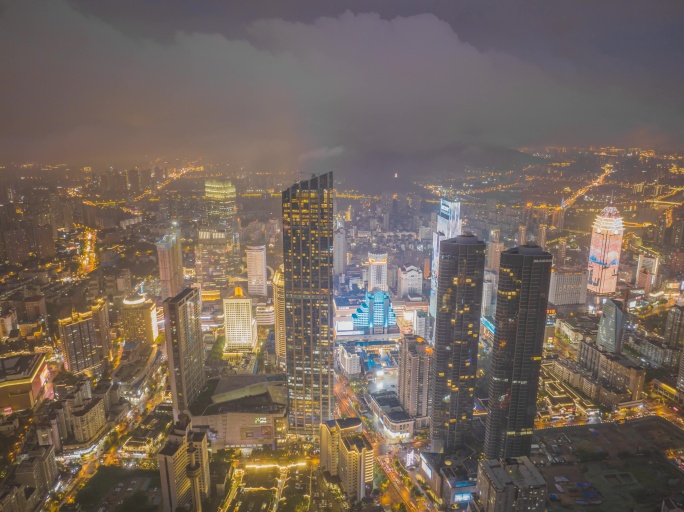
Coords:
pixel 212 262
pixel 170 257
pixel 239 323
pixel 139 317
pixel 604 253
pixel 219 196
pixel 217 251
pixel 184 348
pixel 308 272
pixel 85 338
pixel 494 249
pixel 520 322
pixel 377 272
pixel 257 275
pixel 279 306
pixel 448 226
pixel 457 330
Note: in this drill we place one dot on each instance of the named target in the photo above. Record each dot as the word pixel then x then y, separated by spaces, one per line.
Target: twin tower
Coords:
pixel 522 296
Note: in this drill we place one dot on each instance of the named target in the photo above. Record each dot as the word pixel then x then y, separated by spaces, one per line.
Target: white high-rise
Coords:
pixel 377 271
pixel 410 281
pixel 239 323
pixel 448 226
pixel 257 274
pixel 170 258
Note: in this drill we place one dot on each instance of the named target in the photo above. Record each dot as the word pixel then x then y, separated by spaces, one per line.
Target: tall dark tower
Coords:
pixel 524 278
pixel 457 330
pixel 308 273
pixel 184 348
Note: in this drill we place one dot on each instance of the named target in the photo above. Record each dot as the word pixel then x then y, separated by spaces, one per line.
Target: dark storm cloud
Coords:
pixel 275 92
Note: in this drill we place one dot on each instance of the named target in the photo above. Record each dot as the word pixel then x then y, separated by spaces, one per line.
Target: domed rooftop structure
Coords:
pixel 610 212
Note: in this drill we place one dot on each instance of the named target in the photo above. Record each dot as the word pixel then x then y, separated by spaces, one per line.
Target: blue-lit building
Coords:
pixel 375 315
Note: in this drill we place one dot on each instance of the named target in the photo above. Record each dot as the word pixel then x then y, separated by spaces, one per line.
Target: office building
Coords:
pixel 240 326
pixel 279 307
pixel 257 275
pixel 85 338
pixel 184 348
pixel 410 281
pixel 170 259
pixel 457 331
pixel 674 327
pixel 139 318
pixel 219 200
pixel 611 327
pixel 212 261
pixel 604 252
pixel 448 226
pixel 347 453
pixel 340 252
pixel 308 272
pixel 568 286
pixel 184 468
pixel 377 272
pixel 511 484
pixel 520 323
pixel 414 377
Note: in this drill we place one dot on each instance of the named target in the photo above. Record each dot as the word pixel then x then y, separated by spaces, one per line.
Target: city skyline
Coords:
pixel 360 256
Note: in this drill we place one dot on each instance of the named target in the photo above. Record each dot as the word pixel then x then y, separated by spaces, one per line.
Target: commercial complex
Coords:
pixel 522 300
pixel 457 330
pixel 24 382
pixel 307 249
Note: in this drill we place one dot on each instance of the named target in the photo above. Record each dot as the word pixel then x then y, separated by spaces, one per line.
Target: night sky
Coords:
pixel 316 84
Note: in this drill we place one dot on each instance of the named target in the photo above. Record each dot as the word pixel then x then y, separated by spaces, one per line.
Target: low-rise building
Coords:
pixel 508 485
pixel 397 423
